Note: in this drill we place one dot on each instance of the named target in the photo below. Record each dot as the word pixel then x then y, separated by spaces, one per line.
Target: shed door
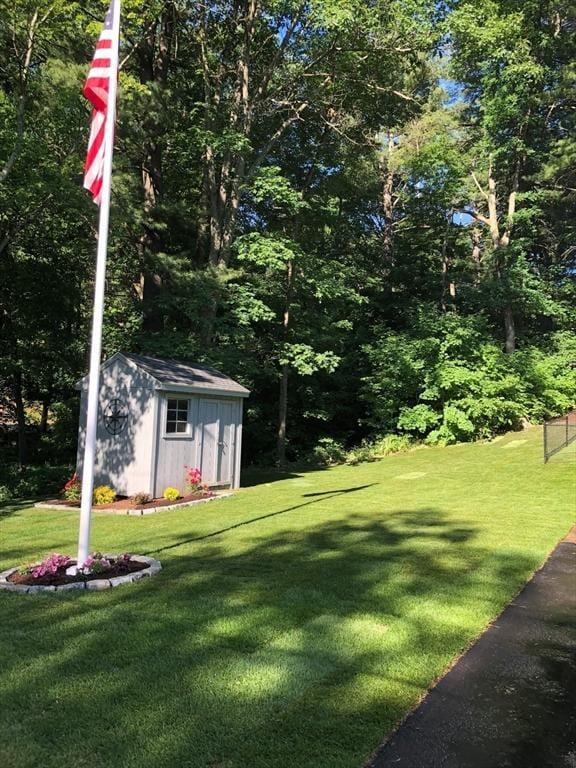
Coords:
pixel 216 420
pixel 176 442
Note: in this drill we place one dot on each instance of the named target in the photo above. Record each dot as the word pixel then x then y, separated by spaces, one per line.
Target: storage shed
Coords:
pixel 156 416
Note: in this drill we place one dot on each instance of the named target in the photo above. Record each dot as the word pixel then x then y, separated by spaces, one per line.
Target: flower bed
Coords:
pixel 104 497
pixel 125 507
pixel 99 572
pixel 126 502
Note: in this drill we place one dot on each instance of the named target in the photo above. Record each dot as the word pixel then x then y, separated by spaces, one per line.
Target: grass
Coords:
pixel 293 625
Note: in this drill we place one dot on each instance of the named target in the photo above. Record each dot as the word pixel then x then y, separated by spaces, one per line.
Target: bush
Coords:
pixel 379 448
pixel 31 482
pixel 141 498
pixel 447 380
pixel 171 494
pixel 59 443
pixel 328 451
pixel 103 494
pixel 393 444
pixel 72 489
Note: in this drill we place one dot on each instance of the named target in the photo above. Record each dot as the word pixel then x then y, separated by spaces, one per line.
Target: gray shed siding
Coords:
pixel 123 461
pixel 212 444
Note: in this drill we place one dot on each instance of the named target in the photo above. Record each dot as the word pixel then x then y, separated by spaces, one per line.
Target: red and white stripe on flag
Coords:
pixel 96 90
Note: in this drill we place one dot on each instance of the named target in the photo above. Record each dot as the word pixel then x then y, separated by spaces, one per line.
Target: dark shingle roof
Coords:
pixel 183 373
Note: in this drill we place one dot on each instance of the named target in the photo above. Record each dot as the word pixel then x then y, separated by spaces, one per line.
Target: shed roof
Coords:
pixel 183 375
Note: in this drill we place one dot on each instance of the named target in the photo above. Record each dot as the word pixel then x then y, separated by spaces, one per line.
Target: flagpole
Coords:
pixel 97 320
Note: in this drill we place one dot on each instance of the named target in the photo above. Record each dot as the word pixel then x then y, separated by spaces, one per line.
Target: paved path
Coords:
pixel 510 701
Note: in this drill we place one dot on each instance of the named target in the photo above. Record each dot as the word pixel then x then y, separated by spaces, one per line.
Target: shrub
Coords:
pixel 446 380
pixel 30 482
pixel 420 418
pixel 103 494
pixel 72 489
pixel 378 449
pixel 141 498
pixel 388 444
pixel 171 494
pixel 360 454
pixel 193 479
pixel 328 451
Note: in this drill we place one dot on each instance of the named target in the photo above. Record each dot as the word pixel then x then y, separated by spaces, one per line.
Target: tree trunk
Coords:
pixel 20 420
pixel 448 287
pixel 155 55
pixel 283 400
pixel 25 69
pixel 477 253
pixel 388 206
pixel 500 242
pixel 44 417
pixel 282 416
pixel 509 330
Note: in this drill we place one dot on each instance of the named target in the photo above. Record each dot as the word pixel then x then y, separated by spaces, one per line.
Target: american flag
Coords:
pixel 96 90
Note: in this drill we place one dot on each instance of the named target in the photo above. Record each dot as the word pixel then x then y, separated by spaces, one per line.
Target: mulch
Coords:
pixel 61 577
pixel 124 502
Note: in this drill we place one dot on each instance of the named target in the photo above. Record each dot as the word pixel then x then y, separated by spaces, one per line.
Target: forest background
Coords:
pixel 362 210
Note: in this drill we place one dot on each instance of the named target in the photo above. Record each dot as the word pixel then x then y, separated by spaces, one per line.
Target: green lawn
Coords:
pixel 292 626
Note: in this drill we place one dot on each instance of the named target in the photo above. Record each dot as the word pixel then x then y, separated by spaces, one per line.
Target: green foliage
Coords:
pixel 31 482
pixel 270 186
pixel 59 443
pixel 306 360
pixel 328 452
pixel 373 450
pixel 420 419
pixel 103 494
pixel 461 386
pixel 272 252
pixel 249 228
pixel 72 490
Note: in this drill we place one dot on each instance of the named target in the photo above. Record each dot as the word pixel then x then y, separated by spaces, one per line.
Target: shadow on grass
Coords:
pixel 301 647
pixel 258 519
pixel 12 506
pixel 253 476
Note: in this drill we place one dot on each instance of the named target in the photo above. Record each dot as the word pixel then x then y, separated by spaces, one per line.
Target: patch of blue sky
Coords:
pixel 462 219
pixel 453 89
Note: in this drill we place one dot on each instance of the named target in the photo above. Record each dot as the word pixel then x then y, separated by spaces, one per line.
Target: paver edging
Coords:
pixel 136 512
pixel 154 567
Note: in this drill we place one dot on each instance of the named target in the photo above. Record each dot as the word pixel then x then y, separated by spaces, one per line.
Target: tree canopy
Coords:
pixel 364 211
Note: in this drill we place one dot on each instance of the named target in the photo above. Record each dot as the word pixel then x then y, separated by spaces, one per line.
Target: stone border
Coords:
pixel 137 511
pixel 154 567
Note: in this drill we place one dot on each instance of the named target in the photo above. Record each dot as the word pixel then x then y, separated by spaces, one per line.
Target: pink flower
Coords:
pixel 51 565
pixel 193 477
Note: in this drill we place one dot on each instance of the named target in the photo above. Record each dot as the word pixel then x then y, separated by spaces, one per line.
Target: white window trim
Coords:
pixel 189 434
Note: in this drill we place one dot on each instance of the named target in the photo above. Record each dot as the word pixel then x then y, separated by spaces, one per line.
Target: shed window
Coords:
pixel 177 417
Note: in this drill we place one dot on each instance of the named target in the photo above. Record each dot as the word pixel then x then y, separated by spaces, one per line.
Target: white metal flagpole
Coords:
pixel 96 345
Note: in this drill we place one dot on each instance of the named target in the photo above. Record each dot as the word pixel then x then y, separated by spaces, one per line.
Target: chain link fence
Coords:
pixel 558 434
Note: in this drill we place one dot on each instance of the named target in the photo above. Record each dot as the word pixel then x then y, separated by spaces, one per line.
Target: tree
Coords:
pixel 511 58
